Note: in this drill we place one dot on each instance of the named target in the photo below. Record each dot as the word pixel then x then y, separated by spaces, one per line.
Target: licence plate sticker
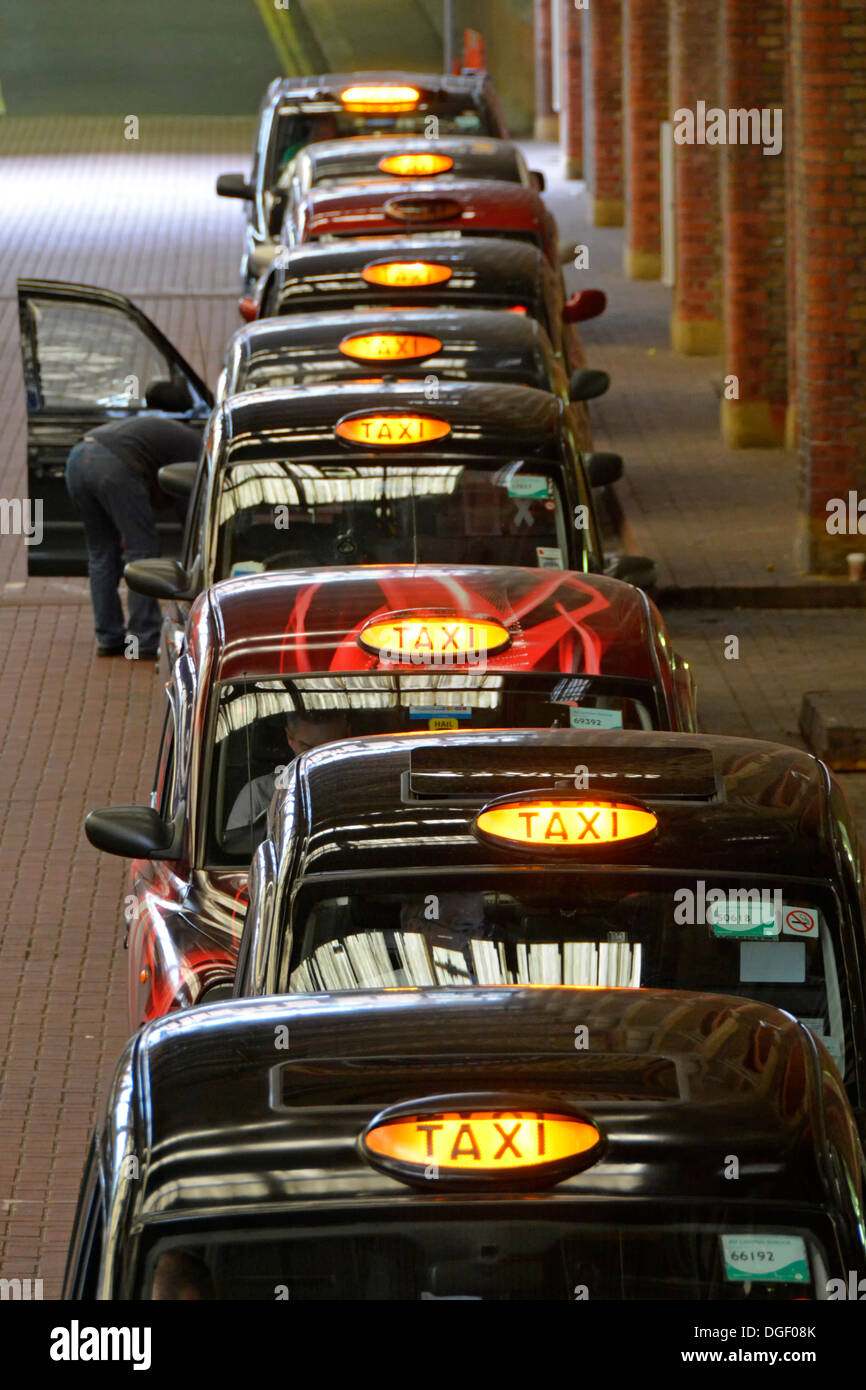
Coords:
pixel 743 919
pixel 549 557
pixel 529 485
pixel 769 1259
pixel 595 718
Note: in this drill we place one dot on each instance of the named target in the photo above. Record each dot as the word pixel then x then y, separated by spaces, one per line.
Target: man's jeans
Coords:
pixel 114 503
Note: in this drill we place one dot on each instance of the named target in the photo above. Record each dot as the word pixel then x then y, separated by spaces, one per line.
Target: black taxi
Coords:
pixel 418 271
pixel 448 472
pixel 671 861
pixel 410 344
pixel 481 1144
pixel 298 111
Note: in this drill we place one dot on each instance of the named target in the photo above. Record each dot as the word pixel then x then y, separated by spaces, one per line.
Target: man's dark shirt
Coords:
pixel 146 442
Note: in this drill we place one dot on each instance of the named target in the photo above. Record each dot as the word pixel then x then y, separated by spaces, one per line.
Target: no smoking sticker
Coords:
pixel 799 921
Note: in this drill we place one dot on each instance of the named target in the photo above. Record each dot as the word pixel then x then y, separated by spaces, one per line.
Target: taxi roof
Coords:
pixel 472 339
pixel 723 804
pixel 505 270
pixel 486 418
pixel 228 1122
pixel 471 154
pixel 296 621
pixel 483 203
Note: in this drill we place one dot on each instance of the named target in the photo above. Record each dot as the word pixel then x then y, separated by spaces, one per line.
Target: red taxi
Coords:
pixel 274 665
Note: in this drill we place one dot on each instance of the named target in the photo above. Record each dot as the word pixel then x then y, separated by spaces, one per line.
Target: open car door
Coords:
pixel 88 356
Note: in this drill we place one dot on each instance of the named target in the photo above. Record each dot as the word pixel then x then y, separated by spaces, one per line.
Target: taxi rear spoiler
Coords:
pixel 478 775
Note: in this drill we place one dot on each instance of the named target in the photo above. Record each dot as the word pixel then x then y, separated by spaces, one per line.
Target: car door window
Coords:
pixel 91 355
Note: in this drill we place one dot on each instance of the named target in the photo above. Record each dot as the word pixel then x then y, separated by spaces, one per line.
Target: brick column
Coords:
pixel 605 21
pixel 546 121
pixel 828 205
pixel 571 115
pixel 696 322
pixel 790 239
pixel 645 106
pixel 753 201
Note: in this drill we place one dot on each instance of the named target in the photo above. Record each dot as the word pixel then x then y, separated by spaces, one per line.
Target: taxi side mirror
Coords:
pixel 134 832
pixel 587 383
pixel 603 470
pixel 585 304
pixel 639 570
pixel 233 186
pixel 539 182
pixel 177 479
pixel 159 578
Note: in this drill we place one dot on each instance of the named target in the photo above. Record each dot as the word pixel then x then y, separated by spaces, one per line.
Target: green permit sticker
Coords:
pixel 742 919
pixel 769 1259
pixel 529 485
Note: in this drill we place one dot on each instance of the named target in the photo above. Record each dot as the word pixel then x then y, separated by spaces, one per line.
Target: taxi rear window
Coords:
pixel 299 126
pixel 766 941
pixel 733 1255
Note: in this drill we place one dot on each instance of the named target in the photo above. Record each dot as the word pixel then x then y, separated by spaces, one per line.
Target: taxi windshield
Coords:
pixel 722 1251
pixel 261 726
pixel 297 126
pixel 276 515
pixel 767 941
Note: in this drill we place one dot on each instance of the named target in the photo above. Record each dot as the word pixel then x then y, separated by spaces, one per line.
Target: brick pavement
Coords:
pixel 81 733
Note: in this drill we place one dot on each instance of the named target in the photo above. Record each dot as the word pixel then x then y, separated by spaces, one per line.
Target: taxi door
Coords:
pixel 88 357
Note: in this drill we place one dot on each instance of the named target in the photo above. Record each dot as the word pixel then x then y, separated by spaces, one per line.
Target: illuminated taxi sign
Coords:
pixel 434 639
pixel 389 347
pixel 423 209
pixel 415 166
pixel 406 274
pixel 480 1144
pixel 563 822
pixel 388 99
pixel 392 431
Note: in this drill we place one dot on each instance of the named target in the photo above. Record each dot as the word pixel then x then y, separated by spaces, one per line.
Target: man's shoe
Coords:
pixel 116 649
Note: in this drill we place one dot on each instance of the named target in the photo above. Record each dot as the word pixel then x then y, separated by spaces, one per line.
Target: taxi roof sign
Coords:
pixel 480 1144
pixel 406 274
pixel 391 430
pixel 562 823
pixel 417 208
pixel 386 98
pixel 418 166
pixel 389 347
pixel 433 638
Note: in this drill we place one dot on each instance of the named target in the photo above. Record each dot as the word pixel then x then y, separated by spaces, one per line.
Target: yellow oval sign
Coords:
pixel 389 347
pixel 480 1141
pixel 392 431
pixel 408 274
pixel 415 166
pixel 380 98
pixel 429 639
pixel 564 823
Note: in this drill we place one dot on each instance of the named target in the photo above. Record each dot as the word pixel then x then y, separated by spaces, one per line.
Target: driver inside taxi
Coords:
pixel 304 731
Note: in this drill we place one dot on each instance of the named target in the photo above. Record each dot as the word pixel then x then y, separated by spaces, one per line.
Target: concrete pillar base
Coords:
pixel 607 212
pixel 791 430
pixel 573 168
pixel 547 128
pixel 697 337
pixel 752 425
pixel 642 265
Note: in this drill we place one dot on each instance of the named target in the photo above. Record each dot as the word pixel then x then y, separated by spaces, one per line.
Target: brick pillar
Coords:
pixel 605 21
pixel 753 202
pixel 546 121
pixel 828 206
pixel 645 106
pixel 571 115
pixel 790 240
pixel 696 322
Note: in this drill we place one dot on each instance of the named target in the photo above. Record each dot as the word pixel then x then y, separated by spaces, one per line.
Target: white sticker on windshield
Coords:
pixel 773 962
pixel 779 1259
pixel 595 718
pixel 549 557
pixel 799 921
pixel 246 567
